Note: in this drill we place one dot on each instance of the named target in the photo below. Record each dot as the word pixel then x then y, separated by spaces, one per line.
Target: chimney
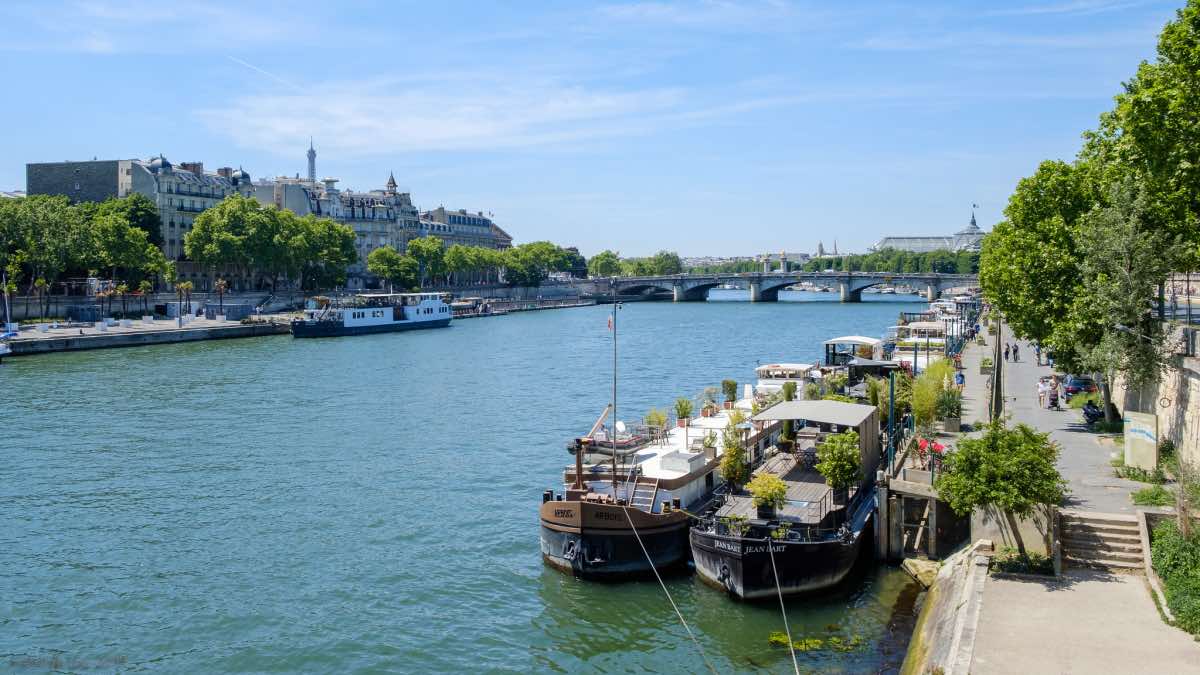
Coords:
pixel 195 167
pixel 225 172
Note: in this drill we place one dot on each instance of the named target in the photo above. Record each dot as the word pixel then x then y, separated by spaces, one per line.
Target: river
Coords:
pixel 371 502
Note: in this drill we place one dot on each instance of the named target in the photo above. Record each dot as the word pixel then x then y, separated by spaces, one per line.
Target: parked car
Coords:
pixel 1078 384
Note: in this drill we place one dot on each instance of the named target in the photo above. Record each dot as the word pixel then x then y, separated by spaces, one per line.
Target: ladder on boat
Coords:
pixel 643 496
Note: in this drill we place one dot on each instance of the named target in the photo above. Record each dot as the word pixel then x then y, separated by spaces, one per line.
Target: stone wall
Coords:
pixel 1175 400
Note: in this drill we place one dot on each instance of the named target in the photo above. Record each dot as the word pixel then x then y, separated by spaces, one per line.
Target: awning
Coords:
pixel 854 340
pixel 826 412
pixel 872 363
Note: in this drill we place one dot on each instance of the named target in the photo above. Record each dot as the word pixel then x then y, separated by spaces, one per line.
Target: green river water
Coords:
pixel 370 503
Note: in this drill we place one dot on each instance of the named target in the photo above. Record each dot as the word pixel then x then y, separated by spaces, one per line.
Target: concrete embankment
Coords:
pixel 944 637
pixel 61 340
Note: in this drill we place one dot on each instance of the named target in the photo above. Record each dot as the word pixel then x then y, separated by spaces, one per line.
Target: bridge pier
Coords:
pixel 931 292
pixel 848 294
pixel 755 291
pixel 677 293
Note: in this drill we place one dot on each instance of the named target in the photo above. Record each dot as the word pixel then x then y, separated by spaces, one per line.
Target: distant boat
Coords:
pixel 372 313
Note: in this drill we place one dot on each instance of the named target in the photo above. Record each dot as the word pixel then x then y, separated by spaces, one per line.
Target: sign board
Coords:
pixel 1141 440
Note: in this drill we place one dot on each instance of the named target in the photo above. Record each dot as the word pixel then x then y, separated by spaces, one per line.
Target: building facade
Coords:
pixel 970 238
pixel 461 227
pixel 180 193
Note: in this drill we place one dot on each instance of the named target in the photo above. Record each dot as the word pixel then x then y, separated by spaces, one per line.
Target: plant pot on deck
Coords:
pixel 765 512
pixel 985 370
pixel 706 412
pixel 952 424
pixel 840 496
pixel 682 422
pixel 729 405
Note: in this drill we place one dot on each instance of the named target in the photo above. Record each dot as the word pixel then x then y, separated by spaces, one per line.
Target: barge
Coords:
pixel 364 314
pixel 813 541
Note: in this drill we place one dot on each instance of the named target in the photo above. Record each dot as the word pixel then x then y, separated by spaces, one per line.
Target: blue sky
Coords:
pixel 719 127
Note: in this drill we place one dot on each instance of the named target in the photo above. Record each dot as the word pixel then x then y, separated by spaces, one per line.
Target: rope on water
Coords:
pixel 779 591
pixel 675 607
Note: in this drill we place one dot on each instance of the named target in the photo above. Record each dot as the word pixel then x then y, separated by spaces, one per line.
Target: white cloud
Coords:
pixel 1082 7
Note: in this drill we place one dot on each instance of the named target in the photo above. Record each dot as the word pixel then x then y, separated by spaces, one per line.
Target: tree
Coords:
pixel 145 287
pixel 735 470
pixel 398 269
pixel 1029 264
pixel 839 460
pixel 459 260
pixel 1009 469
pixel 768 490
pixel 218 234
pixel 137 210
pixel 220 286
pixel 428 253
pixel 605 264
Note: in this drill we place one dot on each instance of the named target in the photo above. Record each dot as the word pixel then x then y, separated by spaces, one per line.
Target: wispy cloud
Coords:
pixel 1081 7
pixel 944 40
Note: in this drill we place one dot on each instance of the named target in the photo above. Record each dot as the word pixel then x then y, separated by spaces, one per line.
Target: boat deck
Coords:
pixel 807 494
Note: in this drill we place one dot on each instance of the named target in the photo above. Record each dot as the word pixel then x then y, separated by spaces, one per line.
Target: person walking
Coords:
pixel 1041 392
pixel 1016 354
pixel 960 380
pixel 1006 351
pixel 1037 352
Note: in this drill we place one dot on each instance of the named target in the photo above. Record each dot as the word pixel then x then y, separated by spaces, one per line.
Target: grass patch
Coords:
pixel 1078 400
pixel 1009 560
pixel 1155 495
pixel 1155 477
pixel 1115 427
pixel 1177 562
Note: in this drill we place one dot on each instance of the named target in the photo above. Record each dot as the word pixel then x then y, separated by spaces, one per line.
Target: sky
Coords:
pixel 715 127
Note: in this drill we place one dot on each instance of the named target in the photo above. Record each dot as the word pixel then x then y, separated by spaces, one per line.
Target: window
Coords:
pixel 76 185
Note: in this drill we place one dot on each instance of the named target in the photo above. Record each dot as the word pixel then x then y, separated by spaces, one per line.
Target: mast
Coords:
pixel 614 396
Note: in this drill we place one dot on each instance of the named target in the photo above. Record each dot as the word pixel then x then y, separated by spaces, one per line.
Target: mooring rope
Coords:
pixel 675 607
pixel 779 592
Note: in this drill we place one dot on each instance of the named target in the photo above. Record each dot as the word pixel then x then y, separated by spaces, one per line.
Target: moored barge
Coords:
pixel 368 313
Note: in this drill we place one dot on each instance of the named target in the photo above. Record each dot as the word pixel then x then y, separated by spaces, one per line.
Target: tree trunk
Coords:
pixel 1110 411
pixel 1016 533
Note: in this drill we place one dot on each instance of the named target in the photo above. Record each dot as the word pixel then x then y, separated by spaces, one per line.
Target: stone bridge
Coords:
pixel 765 286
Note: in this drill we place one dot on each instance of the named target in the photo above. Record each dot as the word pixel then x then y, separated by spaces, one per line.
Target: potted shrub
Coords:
pixel 656 419
pixel 985 366
pixel 734 467
pixel 949 408
pixel 729 388
pixel 710 446
pixel 708 405
pixel 769 493
pixel 683 411
pixel 838 460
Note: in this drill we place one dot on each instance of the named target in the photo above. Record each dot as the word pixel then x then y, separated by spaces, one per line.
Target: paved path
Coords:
pixel 1085 622
pixel 1084 460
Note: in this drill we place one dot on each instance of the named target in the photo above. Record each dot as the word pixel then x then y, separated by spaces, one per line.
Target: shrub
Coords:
pixel 812 391
pixel 1079 400
pixel 683 408
pixel 1009 560
pixel 1176 559
pixel 985 362
pixel 949 403
pixel 729 388
pixel 1155 495
pixel 768 490
pixel 839 397
pixel 656 418
pixel 1155 476
pixel 838 459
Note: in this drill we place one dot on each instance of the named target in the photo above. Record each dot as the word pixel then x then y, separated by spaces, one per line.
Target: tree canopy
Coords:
pixel 397 269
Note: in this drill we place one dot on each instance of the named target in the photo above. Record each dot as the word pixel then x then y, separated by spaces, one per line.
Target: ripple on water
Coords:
pixel 332 505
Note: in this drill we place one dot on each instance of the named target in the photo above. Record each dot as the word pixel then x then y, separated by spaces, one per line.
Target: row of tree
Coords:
pixel 1080 260
pixel 894 260
pixel 242 234
pixel 427 261
pixel 44 239
pixel 610 264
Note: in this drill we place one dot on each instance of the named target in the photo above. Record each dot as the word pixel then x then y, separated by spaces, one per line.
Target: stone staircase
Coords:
pixel 1104 541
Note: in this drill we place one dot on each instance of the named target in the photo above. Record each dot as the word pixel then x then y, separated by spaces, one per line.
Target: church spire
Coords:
pixel 312 161
pixel 391 183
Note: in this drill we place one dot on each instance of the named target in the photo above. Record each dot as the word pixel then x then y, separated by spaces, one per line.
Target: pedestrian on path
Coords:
pixel 1037 351
pixel 1042 388
pixel 960 380
pixel 1016 355
pixel 1006 351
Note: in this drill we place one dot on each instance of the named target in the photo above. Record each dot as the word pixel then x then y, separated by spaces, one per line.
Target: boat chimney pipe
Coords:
pixel 547 496
pixel 675 503
pixel 581 445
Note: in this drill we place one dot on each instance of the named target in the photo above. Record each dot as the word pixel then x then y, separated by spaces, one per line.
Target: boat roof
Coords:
pixel 854 340
pixel 872 362
pixel 399 295
pixel 828 412
pixel 785 366
pixel 926 325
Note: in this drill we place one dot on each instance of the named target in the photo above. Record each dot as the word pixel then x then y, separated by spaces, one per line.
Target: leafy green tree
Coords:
pixel 138 210
pixel 399 270
pixel 1010 469
pixel 1029 265
pixel 145 287
pixel 735 470
pixel 218 235
pixel 605 264
pixel 428 252
pixel 839 460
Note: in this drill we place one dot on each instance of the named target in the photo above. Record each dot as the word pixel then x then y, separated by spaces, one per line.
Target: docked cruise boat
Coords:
pixel 624 510
pixel 813 541
pixel 372 313
pixel 772 377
